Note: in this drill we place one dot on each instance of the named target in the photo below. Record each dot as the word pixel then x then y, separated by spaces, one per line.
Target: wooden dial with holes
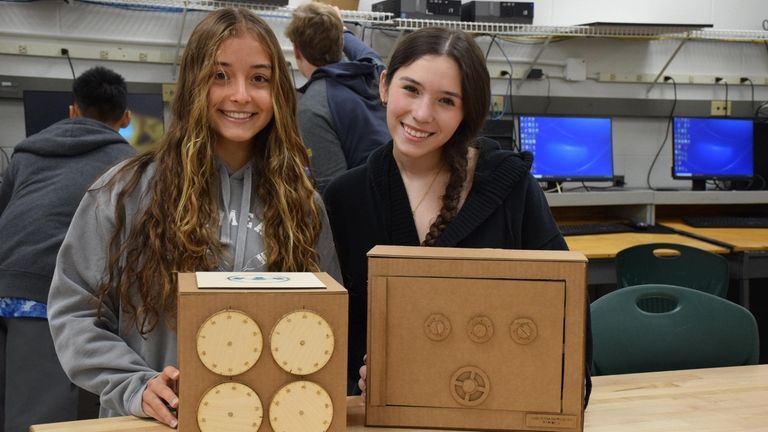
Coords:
pixel 301 406
pixel 231 407
pixel 229 342
pixel 302 342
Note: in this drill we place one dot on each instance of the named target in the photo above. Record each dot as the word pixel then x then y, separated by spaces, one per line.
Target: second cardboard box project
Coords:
pixel 476 338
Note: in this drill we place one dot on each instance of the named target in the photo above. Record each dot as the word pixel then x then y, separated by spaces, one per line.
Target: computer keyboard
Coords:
pixel 594 228
pixel 727 221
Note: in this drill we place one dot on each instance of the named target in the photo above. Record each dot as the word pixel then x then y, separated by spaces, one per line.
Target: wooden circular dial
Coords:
pixel 229 342
pixel 302 342
pixel 301 406
pixel 231 407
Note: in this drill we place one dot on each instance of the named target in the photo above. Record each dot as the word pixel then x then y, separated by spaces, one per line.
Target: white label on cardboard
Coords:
pixel 563 421
pixel 258 280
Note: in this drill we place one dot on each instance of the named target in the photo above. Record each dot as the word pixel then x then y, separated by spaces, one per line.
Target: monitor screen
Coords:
pixel 568 148
pixel 43 108
pixel 712 148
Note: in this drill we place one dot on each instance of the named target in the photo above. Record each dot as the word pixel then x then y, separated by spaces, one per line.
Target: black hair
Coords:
pixel 101 94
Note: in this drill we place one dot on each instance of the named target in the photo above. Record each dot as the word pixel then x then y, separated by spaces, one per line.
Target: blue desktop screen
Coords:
pixel 568 148
pixel 712 148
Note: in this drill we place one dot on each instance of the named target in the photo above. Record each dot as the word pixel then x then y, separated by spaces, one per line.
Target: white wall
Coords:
pixel 46 26
pixel 722 14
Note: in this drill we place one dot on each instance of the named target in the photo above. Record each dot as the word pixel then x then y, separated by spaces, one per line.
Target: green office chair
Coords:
pixel 693 330
pixel 691 267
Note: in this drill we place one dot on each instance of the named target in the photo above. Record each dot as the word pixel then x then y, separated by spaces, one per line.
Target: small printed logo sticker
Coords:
pixel 257 278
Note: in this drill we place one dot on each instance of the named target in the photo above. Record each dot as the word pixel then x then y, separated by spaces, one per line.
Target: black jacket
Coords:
pixel 41 189
pixel 368 206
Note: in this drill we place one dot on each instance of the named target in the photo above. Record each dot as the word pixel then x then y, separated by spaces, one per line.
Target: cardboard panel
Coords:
pixel 428 342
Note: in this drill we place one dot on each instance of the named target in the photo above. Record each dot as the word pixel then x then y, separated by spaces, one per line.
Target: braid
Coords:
pixel 456 158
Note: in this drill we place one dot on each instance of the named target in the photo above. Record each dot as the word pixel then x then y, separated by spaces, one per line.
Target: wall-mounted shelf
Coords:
pixel 261 9
pixel 598 31
pixel 646 205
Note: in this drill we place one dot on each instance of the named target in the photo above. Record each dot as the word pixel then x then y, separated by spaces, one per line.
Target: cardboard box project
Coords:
pixel 261 352
pixel 476 338
pixel 349 5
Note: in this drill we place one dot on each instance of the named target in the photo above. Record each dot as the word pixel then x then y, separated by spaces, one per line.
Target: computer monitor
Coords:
pixel 568 148
pixel 706 148
pixel 43 108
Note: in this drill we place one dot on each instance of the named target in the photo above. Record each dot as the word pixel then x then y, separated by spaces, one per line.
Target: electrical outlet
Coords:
pixel 104 55
pixel 720 108
pixel 168 92
pixel 497 104
pixel 22 49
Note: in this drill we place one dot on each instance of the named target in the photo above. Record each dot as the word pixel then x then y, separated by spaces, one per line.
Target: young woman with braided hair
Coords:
pixel 226 190
pixel 435 184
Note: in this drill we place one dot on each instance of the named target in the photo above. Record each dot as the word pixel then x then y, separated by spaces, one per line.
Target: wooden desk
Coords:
pixel 702 400
pixel 601 249
pixel 749 251
pixel 738 239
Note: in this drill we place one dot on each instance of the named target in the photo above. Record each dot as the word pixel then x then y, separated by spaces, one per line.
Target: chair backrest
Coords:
pixel 695 330
pixel 690 267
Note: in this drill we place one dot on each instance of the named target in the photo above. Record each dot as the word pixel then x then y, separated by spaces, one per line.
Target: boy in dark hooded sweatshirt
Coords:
pixel 340 115
pixel 41 189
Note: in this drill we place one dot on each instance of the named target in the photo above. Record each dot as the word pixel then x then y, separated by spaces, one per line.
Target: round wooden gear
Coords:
pixel 470 386
pixel 229 342
pixel 302 342
pixel 437 327
pixel 480 329
pixel 231 407
pixel 523 331
pixel 301 406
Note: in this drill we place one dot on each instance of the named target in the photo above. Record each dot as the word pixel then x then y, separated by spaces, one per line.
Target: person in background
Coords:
pixel 340 114
pixel 45 181
pixel 226 190
pixel 434 184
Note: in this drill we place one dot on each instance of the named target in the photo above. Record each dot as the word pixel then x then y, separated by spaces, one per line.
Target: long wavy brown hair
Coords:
pixel 178 230
pixel 476 94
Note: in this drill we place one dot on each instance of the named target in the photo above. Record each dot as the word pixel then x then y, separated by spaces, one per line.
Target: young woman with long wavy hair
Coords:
pixel 225 190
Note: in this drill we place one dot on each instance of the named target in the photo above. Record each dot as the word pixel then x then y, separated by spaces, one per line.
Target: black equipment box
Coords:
pixel 269 2
pixel 498 12
pixel 445 10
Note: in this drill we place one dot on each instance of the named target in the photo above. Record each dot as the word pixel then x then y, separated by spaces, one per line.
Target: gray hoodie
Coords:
pixel 48 175
pixel 109 357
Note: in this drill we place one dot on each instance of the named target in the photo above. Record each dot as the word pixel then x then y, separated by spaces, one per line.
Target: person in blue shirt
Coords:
pixel 45 181
pixel 340 115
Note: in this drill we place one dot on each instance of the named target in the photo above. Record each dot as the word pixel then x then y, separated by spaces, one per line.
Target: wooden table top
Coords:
pixel 606 246
pixel 731 399
pixel 703 400
pixel 740 239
